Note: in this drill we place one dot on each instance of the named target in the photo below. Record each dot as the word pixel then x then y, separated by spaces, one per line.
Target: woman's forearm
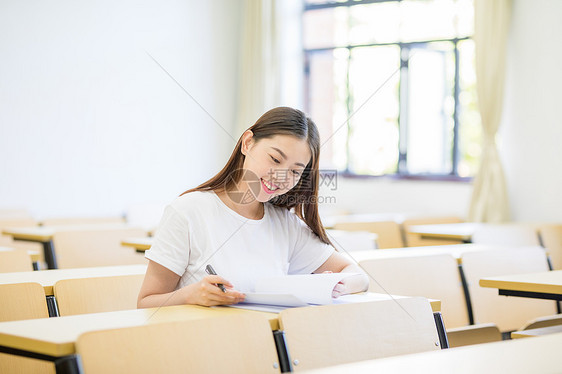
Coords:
pixel 177 297
pixel 358 283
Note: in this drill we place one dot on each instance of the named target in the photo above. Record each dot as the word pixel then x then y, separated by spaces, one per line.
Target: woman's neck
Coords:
pixel 251 210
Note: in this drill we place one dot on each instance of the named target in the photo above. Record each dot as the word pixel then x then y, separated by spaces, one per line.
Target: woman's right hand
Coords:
pixel 207 293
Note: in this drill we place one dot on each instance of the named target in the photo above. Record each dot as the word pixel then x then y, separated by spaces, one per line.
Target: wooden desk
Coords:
pixel 536 332
pixel 48 278
pixel 139 244
pixel 34 256
pixel 455 250
pixel 544 285
pixel 537 355
pixel 53 339
pixel 447 231
pixel 45 234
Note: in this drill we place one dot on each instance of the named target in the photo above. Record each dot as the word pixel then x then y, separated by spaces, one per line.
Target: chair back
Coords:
pixel 329 335
pixel 431 276
pixel 508 313
pixel 347 241
pixel 96 246
pixel 551 239
pixel 415 240
pixel 22 301
pixel 15 260
pixel 506 234
pixel 388 232
pixel 232 344
pixel 95 295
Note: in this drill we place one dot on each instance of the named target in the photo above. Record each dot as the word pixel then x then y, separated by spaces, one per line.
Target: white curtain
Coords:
pixel 491 25
pixel 270 59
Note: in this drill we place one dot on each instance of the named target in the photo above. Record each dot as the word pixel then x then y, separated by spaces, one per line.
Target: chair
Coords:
pixel 96 246
pixel 95 295
pixel 415 240
pixel 388 232
pixel 15 260
pixel 18 221
pixel 233 344
pixel 551 238
pixel 509 313
pixel 435 277
pixel 506 234
pixel 346 241
pixel 329 335
pixel 22 301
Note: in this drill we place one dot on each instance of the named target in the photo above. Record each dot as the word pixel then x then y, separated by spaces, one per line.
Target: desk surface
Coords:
pixel 48 278
pixel 543 282
pixel 139 244
pixel 455 250
pixel 45 233
pixel 536 355
pixel 57 336
pixel 459 231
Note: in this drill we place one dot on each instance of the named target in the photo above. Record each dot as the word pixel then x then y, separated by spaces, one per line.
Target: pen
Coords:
pixel 209 269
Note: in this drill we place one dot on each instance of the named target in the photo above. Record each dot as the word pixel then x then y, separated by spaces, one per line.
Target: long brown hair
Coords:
pixel 303 198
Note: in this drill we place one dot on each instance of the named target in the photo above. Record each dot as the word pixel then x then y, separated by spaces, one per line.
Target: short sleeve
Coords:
pixel 309 252
pixel 171 243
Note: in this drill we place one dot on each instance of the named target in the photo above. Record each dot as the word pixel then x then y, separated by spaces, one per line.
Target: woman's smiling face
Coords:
pixel 278 162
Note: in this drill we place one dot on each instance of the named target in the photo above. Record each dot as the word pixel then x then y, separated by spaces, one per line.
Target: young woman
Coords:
pixel 240 221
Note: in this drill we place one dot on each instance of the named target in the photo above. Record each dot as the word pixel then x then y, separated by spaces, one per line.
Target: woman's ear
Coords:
pixel 247 141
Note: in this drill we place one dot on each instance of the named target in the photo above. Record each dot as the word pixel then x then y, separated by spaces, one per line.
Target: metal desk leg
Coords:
pixel 63 365
pixel 441 330
pixel 49 253
pixel 69 365
pixel 52 306
pixel 282 353
pixel 466 296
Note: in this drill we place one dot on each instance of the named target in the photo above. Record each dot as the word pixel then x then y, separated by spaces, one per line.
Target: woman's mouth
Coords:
pixel 268 187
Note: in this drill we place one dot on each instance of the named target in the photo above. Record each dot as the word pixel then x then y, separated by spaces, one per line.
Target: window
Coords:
pixel 391 85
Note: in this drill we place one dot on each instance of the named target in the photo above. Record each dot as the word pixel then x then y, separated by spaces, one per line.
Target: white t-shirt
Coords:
pixel 199 229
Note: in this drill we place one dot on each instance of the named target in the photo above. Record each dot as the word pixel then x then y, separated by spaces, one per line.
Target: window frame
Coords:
pixel 401 169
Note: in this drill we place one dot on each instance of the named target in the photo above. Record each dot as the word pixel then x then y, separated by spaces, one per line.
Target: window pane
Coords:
pixel 373 140
pixel 426 20
pixel 430 107
pixel 469 115
pixel 325 28
pixel 374 23
pixel 327 95
pixel 465 18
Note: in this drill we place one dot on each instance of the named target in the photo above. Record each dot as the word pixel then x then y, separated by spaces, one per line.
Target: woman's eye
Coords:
pixel 275 160
pixel 296 173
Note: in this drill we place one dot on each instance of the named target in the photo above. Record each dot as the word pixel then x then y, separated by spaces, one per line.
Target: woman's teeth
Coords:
pixel 270 186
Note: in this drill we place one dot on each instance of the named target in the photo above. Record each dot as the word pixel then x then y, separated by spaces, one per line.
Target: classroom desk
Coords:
pixel 536 332
pixel 537 355
pixel 446 231
pixel 44 235
pixel 139 244
pixel 543 285
pixel 53 339
pixel 34 255
pixel 48 278
pixel 455 250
